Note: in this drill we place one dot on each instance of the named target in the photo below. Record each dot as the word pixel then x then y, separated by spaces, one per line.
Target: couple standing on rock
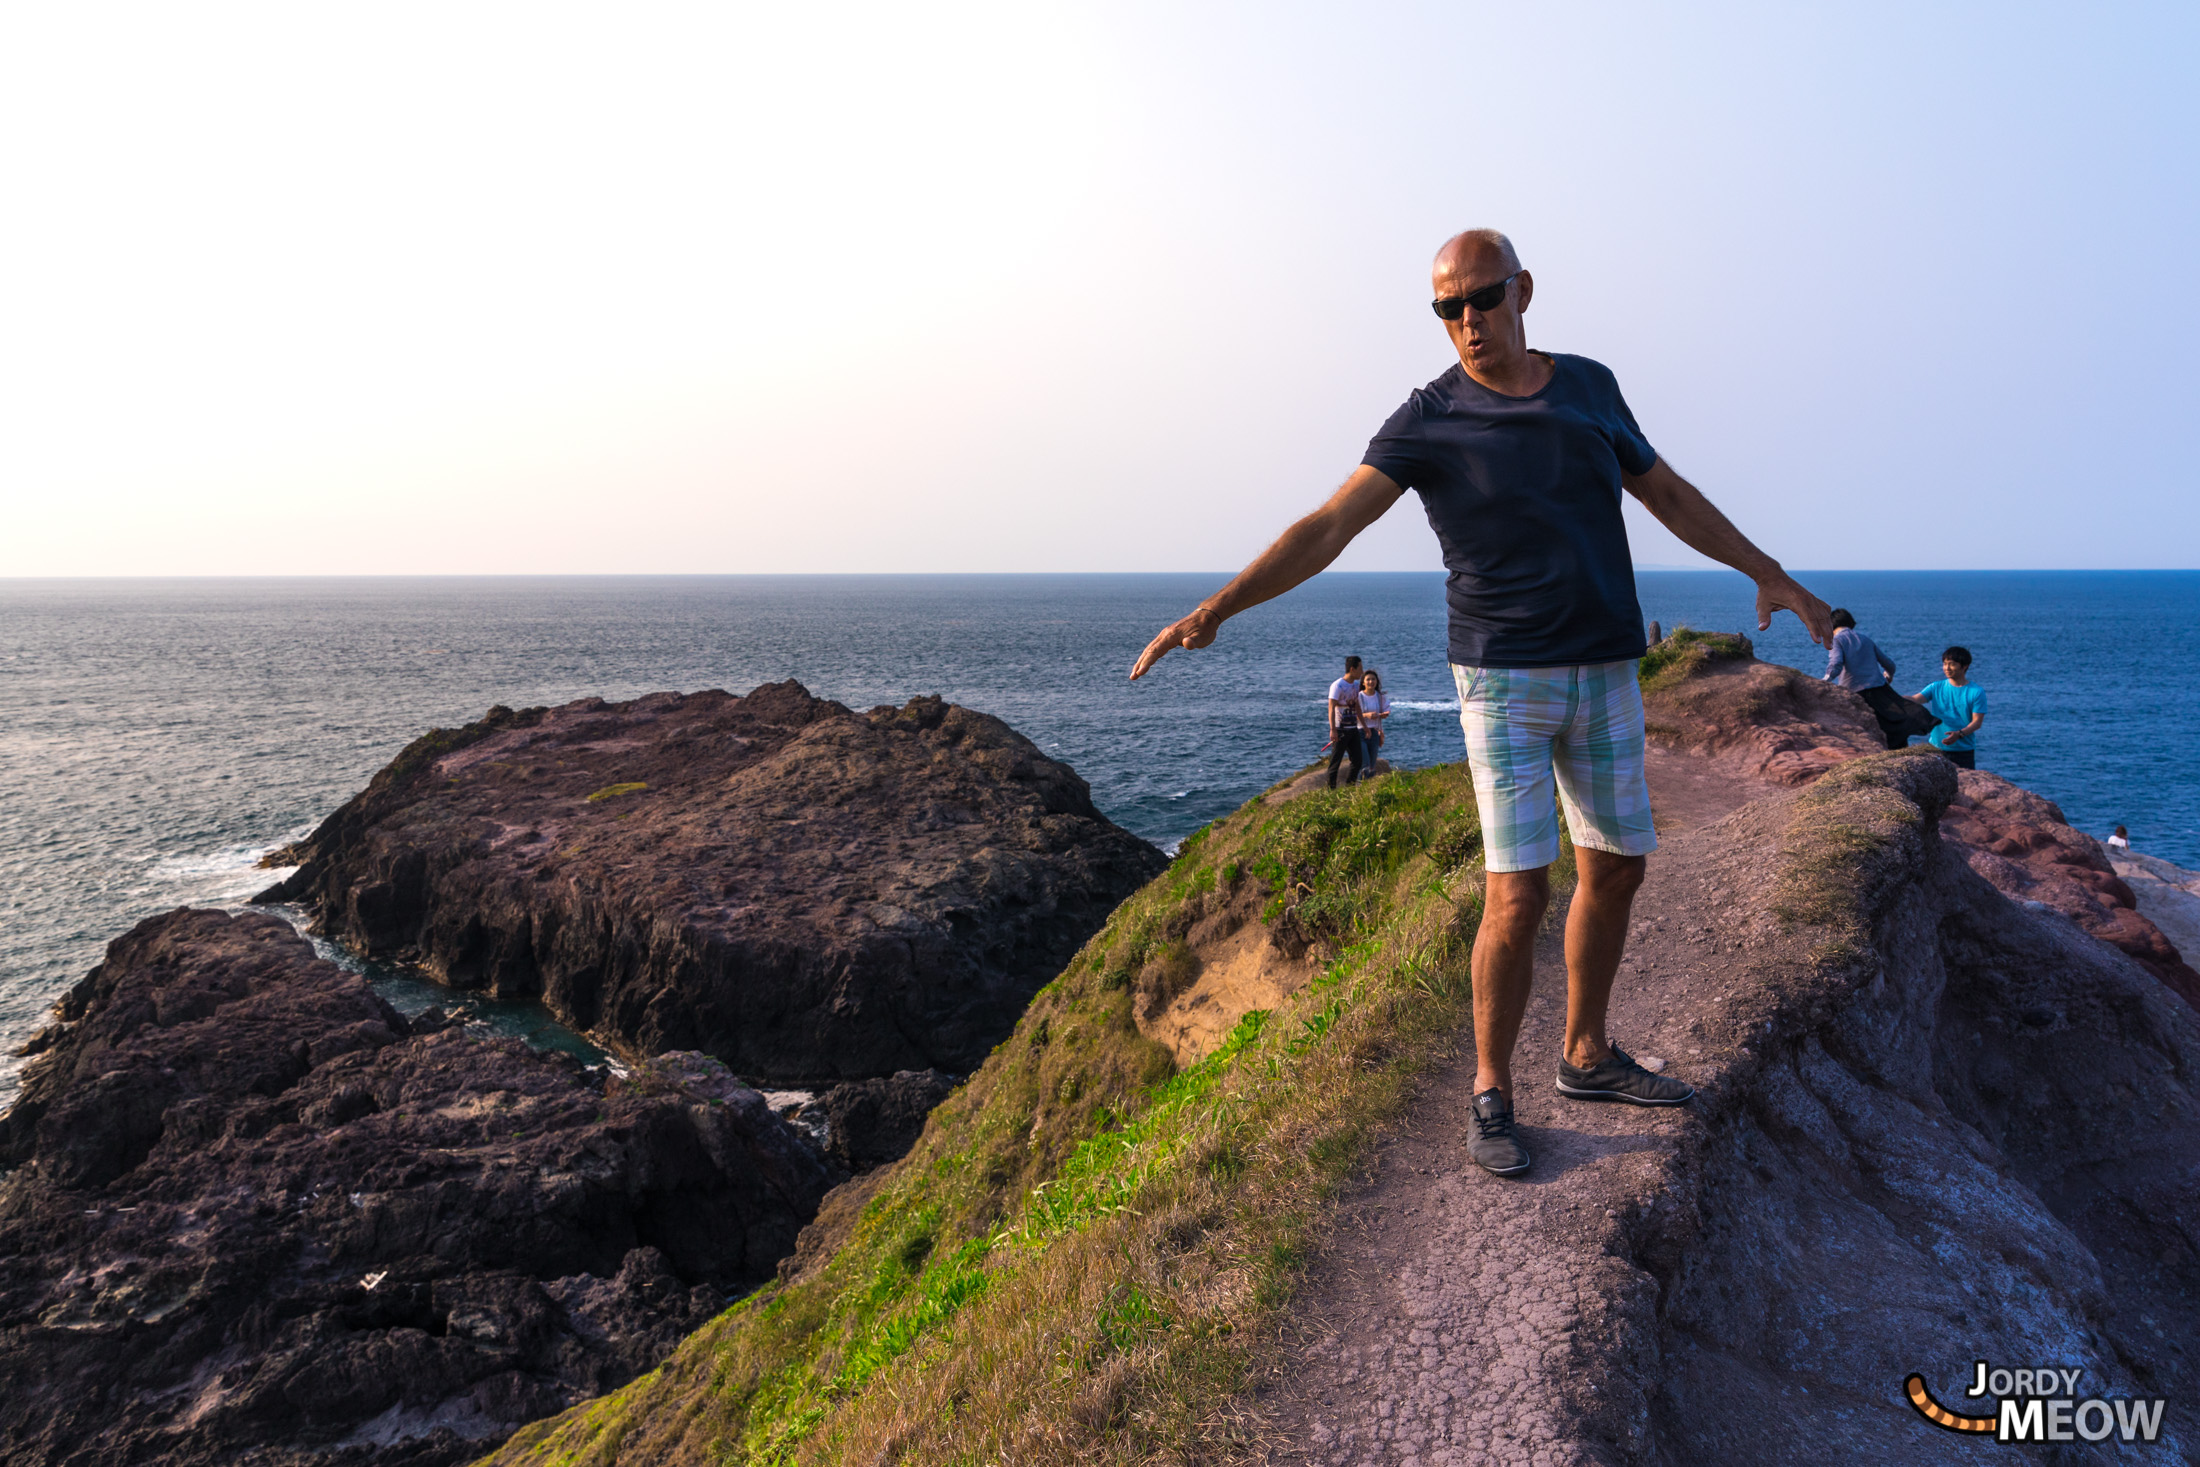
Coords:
pixel 1358 708
pixel 1519 457
pixel 1956 707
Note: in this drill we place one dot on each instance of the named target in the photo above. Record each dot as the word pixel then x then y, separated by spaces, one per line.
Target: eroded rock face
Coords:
pixel 256 1215
pixel 808 893
pixel 1771 723
pixel 1985 1147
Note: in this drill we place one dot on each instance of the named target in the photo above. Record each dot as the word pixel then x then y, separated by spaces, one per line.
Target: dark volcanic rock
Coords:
pixel 254 1217
pixel 807 893
pixel 873 1122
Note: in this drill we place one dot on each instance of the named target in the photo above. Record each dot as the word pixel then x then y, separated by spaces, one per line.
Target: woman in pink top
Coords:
pixel 1374 709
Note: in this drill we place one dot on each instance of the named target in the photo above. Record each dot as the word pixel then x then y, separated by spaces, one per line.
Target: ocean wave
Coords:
pixel 1402 705
pixel 228 874
pixel 209 864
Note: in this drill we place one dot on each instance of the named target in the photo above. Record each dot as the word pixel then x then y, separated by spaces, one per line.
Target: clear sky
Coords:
pixel 542 288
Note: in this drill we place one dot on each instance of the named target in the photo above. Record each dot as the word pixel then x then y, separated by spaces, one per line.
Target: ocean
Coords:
pixel 156 737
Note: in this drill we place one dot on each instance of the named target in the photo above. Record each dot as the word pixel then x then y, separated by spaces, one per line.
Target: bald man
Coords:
pixel 1519 457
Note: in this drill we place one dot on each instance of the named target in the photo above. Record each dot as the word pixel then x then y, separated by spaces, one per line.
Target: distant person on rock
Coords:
pixel 1520 458
pixel 1959 707
pixel 1374 715
pixel 1344 724
pixel 1856 663
pixel 2121 840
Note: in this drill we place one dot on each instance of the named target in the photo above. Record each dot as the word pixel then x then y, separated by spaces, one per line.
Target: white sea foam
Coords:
pixel 226 875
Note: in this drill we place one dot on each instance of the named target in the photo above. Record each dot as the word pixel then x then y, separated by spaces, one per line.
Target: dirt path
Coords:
pixel 1440 1328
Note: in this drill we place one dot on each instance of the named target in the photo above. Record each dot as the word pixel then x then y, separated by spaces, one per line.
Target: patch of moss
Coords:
pixel 1853 833
pixel 1686 651
pixel 613 791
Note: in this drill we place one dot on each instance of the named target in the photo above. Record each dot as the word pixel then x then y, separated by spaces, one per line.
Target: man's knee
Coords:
pixel 1513 900
pixel 1608 876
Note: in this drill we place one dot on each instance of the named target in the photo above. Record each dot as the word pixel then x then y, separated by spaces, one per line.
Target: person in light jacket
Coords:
pixel 1856 663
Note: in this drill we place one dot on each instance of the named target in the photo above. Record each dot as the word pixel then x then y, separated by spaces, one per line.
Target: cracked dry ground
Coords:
pixel 1441 1320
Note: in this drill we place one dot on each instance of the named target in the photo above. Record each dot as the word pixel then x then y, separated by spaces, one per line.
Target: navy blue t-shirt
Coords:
pixel 1524 496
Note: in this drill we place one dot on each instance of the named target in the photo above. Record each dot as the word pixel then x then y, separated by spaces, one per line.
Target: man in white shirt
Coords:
pixel 1344 723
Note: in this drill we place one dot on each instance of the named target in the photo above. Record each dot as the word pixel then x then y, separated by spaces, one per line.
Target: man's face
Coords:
pixel 1953 670
pixel 1485 340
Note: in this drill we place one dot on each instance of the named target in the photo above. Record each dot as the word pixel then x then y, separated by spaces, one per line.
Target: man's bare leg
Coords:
pixel 1596 938
pixel 1513 903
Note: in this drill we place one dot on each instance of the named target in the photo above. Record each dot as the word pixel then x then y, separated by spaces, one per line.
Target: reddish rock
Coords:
pixel 808 893
pixel 256 1215
pixel 1772 724
pixel 2022 844
pixel 1764 721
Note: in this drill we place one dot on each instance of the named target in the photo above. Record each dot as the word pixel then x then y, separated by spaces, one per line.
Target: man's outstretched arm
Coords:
pixel 1299 554
pixel 1681 508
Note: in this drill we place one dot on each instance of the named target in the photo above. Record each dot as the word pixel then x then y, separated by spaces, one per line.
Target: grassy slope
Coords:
pixel 1077 1260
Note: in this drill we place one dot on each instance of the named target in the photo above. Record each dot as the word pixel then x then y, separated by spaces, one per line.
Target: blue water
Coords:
pixel 157 736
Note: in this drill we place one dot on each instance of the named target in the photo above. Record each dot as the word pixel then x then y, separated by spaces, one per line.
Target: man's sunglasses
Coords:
pixel 1488 298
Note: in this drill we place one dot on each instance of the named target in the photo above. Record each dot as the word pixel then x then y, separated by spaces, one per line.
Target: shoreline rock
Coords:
pixel 810 894
pixel 253 1212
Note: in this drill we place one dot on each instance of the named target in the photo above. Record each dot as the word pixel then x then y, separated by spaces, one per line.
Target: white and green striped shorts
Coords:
pixel 1584 724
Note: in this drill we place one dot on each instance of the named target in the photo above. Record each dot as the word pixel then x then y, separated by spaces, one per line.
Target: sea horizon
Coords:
pixel 1222 575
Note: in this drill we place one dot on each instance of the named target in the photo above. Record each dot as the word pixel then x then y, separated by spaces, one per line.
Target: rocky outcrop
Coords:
pixel 872 1122
pixel 2021 843
pixel 1770 724
pixel 807 893
pixel 255 1215
pixel 1706 693
pixel 2168 896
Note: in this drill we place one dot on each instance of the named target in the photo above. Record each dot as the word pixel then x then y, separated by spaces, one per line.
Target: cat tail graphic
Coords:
pixel 1939 1415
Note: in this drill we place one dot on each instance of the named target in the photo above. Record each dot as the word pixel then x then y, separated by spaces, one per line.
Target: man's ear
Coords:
pixel 1527 289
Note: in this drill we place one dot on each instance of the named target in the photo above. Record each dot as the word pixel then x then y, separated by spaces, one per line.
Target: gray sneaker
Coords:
pixel 1491 1141
pixel 1620 1078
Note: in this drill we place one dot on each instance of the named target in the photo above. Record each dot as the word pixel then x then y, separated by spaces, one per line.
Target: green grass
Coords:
pixel 1844 839
pixel 1084 1255
pixel 613 791
pixel 1686 651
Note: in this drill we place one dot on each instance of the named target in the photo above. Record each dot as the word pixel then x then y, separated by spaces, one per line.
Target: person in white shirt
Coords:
pixel 1344 724
pixel 1374 710
pixel 2121 839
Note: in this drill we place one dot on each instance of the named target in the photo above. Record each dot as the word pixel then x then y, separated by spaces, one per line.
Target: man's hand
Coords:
pixel 1697 523
pixel 1196 630
pixel 1300 552
pixel 1780 592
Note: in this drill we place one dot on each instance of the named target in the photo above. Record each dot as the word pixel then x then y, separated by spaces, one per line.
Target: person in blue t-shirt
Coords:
pixel 1959 706
pixel 1522 460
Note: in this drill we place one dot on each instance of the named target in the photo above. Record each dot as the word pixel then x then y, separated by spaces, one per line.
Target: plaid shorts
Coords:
pixel 1583 723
